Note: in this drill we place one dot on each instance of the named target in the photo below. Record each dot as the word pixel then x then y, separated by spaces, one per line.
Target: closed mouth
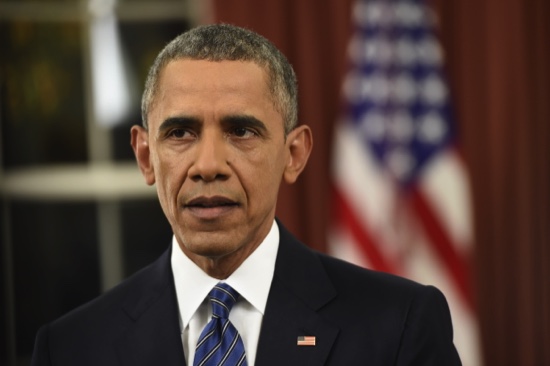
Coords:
pixel 210 202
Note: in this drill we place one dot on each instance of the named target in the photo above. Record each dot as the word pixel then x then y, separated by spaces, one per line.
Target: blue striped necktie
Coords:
pixel 220 343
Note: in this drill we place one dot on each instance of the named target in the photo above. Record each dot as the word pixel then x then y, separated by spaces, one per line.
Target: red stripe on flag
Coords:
pixel 443 245
pixel 344 215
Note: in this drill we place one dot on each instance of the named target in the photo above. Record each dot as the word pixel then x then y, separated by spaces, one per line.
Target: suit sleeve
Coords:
pixel 41 352
pixel 427 337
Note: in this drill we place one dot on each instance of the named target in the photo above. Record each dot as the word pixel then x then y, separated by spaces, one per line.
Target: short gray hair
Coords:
pixel 219 42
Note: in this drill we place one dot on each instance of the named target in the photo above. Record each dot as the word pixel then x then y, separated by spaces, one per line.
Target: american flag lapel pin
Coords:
pixel 306 341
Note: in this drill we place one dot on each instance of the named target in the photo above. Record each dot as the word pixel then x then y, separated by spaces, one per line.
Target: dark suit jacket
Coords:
pixel 359 317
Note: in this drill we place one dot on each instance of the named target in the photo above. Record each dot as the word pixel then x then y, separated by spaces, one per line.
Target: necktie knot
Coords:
pixel 222 297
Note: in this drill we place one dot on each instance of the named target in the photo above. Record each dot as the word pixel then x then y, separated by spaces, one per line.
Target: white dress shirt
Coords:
pixel 252 280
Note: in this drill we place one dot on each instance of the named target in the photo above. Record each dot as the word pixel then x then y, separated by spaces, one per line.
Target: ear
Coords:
pixel 140 144
pixel 299 142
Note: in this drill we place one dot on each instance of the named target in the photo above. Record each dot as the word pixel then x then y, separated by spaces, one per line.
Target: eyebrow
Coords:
pixel 245 121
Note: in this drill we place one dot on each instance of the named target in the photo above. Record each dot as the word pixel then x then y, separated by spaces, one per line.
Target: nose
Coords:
pixel 210 158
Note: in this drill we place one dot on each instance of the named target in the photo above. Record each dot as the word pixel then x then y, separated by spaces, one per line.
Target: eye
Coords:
pixel 179 133
pixel 243 132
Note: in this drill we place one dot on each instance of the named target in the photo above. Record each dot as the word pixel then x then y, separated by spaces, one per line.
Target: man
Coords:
pixel 219 135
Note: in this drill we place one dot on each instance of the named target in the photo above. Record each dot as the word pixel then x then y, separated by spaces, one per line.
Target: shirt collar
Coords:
pixel 252 280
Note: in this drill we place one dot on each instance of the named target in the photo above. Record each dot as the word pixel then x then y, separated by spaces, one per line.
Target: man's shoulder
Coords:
pixel 141 306
pixel 380 290
pixel 388 302
pixel 134 293
pixel 300 264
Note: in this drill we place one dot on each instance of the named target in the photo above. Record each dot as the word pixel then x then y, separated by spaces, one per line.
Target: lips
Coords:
pixel 210 202
pixel 210 208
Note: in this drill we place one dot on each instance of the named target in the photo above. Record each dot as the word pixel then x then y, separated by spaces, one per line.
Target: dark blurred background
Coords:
pixel 75 218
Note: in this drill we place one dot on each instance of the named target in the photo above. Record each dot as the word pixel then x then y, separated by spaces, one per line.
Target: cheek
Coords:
pixel 169 175
pixel 262 175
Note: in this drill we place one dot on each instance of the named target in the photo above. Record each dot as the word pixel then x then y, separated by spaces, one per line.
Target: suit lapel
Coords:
pixel 153 336
pixel 300 288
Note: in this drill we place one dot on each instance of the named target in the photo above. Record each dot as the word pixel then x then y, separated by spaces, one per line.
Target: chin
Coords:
pixel 209 248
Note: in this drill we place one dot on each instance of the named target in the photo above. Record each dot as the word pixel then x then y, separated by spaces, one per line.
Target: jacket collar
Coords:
pixel 299 290
pixel 153 336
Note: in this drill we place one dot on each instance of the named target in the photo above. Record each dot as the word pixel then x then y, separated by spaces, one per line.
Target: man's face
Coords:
pixel 217 152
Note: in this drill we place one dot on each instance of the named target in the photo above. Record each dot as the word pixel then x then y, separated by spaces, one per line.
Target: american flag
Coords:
pixel 306 341
pixel 401 194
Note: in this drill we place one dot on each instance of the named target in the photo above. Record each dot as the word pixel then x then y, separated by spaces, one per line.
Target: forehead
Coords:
pixel 199 86
pixel 195 75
